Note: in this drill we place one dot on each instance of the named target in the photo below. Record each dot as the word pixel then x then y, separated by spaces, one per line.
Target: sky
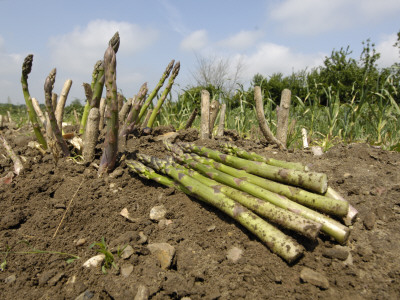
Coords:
pixel 263 36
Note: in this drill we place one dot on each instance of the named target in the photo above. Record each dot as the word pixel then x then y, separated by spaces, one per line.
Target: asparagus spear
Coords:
pixel 338 231
pixel 276 240
pixel 48 89
pixel 156 110
pixel 98 72
pixel 234 150
pixel 93 92
pixel 325 204
pixel 110 150
pixel 352 212
pixel 155 91
pixel 273 213
pixel 148 173
pixel 132 118
pixel 26 70
pixel 313 181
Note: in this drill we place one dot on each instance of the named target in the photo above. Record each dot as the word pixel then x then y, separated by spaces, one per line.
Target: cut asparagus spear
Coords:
pixel 313 181
pixel 275 240
pixel 338 231
pixel 234 150
pixel 273 213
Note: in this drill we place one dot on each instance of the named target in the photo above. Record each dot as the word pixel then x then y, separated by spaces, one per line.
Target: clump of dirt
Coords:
pixel 215 258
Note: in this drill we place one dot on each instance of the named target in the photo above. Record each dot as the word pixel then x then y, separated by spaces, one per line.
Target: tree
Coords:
pixel 218 72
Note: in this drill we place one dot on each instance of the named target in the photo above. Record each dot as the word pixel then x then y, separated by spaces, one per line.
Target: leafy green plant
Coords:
pixel 109 260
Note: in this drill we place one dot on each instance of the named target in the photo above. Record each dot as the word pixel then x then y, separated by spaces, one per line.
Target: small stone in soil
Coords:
pixel 164 252
pixel 126 270
pixel 80 242
pixel 142 293
pixel 211 228
pixel 86 295
pixel 338 252
pixel 142 238
pixel 234 254
pixel 94 261
pixel 127 252
pixel 369 220
pixel 315 278
pixel 158 213
pixel 10 279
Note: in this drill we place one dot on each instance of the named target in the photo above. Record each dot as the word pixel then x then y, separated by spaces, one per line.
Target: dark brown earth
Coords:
pixel 33 204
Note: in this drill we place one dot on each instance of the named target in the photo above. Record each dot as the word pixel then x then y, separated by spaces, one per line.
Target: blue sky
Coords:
pixel 263 36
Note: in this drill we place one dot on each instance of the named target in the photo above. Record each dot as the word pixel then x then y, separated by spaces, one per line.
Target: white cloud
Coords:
pixel 272 58
pixel 174 17
pixel 389 54
pixel 242 40
pixel 10 70
pixel 78 50
pixel 309 17
pixel 195 41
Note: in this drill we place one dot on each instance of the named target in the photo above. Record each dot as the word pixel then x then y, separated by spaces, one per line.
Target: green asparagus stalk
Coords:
pixel 26 70
pixel 156 110
pixel 155 91
pixel 110 149
pixel 275 240
pixel 48 89
pixel 331 227
pixel 316 182
pixel 93 92
pixel 148 173
pixel 98 85
pixel 273 213
pixel 234 150
pixel 98 71
pixel 315 201
pixel 352 212
pixel 132 118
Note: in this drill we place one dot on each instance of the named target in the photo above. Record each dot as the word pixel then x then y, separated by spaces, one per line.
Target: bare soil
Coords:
pixel 33 204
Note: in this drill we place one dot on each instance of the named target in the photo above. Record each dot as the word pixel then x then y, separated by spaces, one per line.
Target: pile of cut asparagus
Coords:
pixel 255 191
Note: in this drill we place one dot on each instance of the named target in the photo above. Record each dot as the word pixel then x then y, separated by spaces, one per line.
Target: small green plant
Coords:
pixel 109 257
pixel 8 250
pixel 120 250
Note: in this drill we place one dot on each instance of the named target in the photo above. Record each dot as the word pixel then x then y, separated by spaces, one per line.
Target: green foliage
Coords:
pixel 109 257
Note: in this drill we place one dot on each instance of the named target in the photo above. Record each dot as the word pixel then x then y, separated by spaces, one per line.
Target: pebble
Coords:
pixel 125 213
pixel 315 278
pixel 234 254
pixel 85 295
pixel 369 220
pixel 126 270
pixel 142 293
pixel 142 238
pixel 164 223
pixel 158 213
pixel 10 279
pixel 164 252
pixel 317 151
pixel 80 242
pixel 347 175
pixel 127 252
pixel 338 252
pixel 211 228
pixel 94 261
pixel 60 206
